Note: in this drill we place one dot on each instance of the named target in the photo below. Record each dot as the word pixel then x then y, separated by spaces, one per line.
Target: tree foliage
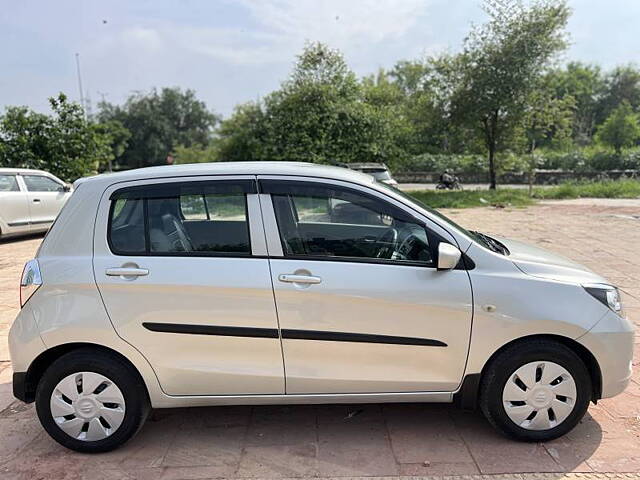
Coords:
pixel 321 114
pixel 621 129
pixel 501 63
pixel 64 143
pixel 158 122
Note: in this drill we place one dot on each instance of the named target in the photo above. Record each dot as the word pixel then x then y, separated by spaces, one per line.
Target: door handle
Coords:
pixel 126 272
pixel 293 278
pixel 36 200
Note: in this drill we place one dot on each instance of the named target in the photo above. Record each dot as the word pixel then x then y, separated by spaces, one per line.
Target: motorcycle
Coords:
pixel 453 184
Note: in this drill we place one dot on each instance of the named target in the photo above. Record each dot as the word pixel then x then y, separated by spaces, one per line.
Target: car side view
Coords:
pixel 30 200
pixel 275 282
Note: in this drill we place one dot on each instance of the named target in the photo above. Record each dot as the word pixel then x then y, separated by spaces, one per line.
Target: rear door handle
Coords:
pixel 36 200
pixel 126 272
pixel 293 278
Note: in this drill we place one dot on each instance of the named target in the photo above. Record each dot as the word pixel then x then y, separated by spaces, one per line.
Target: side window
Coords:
pixel 334 222
pixel 127 227
pixel 191 218
pixel 39 183
pixel 8 183
pixel 193 207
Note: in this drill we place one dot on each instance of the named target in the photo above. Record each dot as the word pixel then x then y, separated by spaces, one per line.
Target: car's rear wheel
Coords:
pixel 91 401
pixel 535 390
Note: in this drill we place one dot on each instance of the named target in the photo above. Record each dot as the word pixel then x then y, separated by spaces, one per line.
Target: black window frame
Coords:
pixel 149 191
pixel 301 187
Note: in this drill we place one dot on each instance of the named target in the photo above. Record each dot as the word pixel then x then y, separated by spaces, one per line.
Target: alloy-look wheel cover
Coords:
pixel 539 395
pixel 87 406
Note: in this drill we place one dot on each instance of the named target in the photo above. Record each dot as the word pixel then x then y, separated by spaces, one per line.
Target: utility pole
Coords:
pixel 80 85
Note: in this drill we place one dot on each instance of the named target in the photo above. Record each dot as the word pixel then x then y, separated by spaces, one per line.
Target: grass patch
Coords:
pixel 473 198
pixel 517 197
pixel 604 189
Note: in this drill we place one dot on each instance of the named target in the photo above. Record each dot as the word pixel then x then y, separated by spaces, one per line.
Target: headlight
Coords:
pixel 608 295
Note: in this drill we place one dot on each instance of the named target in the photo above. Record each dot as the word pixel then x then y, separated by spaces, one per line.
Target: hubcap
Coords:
pixel 539 395
pixel 87 406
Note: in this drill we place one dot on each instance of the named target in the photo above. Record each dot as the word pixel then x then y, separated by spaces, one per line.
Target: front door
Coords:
pixel 46 198
pixel 362 307
pixel 182 269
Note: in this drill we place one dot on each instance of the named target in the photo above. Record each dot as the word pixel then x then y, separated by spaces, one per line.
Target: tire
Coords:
pixel 126 406
pixel 559 403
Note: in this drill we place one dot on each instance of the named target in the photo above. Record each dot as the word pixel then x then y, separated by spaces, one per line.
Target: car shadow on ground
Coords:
pixel 304 440
pixel 21 238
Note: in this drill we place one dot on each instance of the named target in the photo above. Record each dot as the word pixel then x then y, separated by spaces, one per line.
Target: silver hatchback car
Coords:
pixel 262 283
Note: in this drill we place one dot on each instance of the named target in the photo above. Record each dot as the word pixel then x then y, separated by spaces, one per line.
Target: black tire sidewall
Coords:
pixel 506 364
pixel 126 379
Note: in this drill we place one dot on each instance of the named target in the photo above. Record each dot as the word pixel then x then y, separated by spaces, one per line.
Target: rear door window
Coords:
pixel 188 219
pixel 8 183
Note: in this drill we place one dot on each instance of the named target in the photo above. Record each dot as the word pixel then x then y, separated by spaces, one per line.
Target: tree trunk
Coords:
pixel 492 168
pixel 490 124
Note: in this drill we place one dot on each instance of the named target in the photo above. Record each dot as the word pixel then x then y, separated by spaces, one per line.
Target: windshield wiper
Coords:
pixel 491 243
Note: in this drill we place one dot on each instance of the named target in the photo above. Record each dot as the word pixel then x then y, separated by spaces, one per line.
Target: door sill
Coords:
pixel 170 401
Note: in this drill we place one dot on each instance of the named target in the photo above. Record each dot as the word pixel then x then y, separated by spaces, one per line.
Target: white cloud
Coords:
pixel 337 20
pixel 284 25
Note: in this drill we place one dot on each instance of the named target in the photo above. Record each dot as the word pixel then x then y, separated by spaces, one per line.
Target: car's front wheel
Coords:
pixel 535 390
pixel 91 401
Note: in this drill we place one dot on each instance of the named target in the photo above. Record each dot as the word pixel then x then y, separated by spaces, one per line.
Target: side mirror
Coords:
pixel 65 188
pixel 448 256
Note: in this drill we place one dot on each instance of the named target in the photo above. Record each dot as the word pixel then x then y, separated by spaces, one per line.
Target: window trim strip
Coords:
pixel 218 330
pixel 291 334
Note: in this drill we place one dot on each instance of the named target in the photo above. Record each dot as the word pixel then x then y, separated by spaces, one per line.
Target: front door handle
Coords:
pixel 293 278
pixel 36 200
pixel 126 272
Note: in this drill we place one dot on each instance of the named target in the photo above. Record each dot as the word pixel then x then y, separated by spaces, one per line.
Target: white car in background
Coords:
pixel 30 200
pixel 379 171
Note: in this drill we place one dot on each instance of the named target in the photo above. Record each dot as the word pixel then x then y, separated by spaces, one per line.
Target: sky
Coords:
pixel 233 51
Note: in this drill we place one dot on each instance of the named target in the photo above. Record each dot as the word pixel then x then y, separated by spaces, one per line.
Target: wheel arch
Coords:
pixel 467 395
pixel 40 364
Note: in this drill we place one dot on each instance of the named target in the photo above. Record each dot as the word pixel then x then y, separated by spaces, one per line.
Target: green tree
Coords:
pixel 321 114
pixel 158 122
pixel 500 66
pixel 621 129
pixel 586 85
pixel 64 143
pixel 195 154
pixel 545 117
pixel 118 138
pixel 621 85
pixel 243 136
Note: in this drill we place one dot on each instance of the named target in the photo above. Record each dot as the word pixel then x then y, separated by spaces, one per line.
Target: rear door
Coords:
pixel 14 206
pixel 182 268
pixel 46 198
pixel 361 305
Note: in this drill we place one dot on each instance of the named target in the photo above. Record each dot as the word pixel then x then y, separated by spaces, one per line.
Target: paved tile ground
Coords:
pixel 356 440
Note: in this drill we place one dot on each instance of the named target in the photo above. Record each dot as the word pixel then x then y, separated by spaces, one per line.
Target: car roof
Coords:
pixel 24 170
pixel 231 168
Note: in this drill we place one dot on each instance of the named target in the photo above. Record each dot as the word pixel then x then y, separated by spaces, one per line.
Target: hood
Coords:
pixel 539 262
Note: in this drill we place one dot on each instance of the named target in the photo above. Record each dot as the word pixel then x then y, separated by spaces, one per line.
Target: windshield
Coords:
pixel 478 237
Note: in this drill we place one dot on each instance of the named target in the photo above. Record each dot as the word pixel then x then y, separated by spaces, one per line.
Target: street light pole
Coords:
pixel 80 85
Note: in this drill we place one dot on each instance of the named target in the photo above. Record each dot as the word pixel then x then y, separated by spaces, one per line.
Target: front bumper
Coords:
pixel 611 343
